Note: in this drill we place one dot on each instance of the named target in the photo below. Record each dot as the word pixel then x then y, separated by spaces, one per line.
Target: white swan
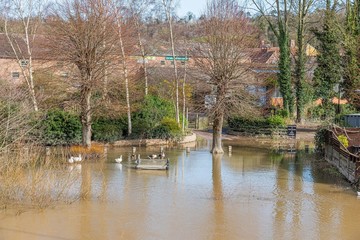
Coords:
pixel 119 159
pixel 75 159
pixel 152 156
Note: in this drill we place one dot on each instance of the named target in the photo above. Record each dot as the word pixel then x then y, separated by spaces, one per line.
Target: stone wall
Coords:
pixel 152 142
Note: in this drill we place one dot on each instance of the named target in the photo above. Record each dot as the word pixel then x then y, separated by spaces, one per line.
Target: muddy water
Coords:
pixel 252 194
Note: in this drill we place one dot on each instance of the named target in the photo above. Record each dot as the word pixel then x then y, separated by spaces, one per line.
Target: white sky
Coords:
pixel 198 7
pixel 194 6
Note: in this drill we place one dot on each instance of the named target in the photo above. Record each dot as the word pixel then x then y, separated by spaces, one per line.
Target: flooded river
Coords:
pixel 252 194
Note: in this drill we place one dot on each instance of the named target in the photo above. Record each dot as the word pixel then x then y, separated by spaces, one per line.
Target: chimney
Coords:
pixel 264 47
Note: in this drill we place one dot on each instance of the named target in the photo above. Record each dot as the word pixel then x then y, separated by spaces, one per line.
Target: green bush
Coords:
pixel 318 112
pixel 155 119
pixel 276 121
pixel 238 122
pixel 108 129
pixel 60 127
pixel 282 113
pixel 320 137
pixel 168 129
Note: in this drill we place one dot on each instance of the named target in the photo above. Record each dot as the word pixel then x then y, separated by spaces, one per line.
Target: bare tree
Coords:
pixel 168 7
pixel 227 35
pixel 184 93
pixel 138 8
pixel 79 30
pixel 120 22
pixel 26 16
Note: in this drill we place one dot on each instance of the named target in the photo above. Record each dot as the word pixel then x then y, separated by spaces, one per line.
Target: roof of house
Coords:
pixel 264 55
pixel 39 51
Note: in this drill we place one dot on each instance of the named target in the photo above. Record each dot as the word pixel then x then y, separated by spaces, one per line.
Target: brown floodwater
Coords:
pixel 255 193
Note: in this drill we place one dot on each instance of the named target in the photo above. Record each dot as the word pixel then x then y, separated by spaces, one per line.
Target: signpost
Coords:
pixel 291 131
pixel 178 58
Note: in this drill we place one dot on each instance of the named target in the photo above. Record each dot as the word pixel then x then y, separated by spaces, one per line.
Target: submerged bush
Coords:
pixel 31 179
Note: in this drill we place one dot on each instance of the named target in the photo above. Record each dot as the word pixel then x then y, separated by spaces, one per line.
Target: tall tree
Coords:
pixel 328 71
pixel 302 8
pixel 120 19
pixel 352 52
pixel 138 9
pixel 168 8
pixel 227 34
pixel 78 32
pixel 29 13
pixel 280 10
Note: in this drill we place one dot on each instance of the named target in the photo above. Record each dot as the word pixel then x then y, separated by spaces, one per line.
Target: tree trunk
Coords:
pixel 184 98
pixel 126 77
pixel 217 132
pixel 300 63
pixel 86 116
pixel 143 55
pixel 168 15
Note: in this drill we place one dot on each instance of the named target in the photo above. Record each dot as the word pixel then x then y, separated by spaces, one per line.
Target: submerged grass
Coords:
pixel 29 178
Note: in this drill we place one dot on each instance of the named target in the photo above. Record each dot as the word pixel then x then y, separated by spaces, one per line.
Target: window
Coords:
pixel 15 75
pixel 276 93
pixel 162 62
pixel 172 62
pixel 24 63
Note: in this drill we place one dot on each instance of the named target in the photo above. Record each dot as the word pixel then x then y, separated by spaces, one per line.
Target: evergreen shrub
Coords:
pixel 60 127
pixel 108 129
pixel 155 119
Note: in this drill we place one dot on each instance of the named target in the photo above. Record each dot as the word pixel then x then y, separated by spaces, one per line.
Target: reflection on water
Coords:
pixel 254 193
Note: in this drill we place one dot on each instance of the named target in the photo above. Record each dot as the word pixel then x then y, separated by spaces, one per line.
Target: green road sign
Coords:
pixel 179 58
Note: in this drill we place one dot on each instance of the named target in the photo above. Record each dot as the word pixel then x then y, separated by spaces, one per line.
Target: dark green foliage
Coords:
pixel 284 76
pixel 345 109
pixel 154 119
pixel 328 72
pixel 318 112
pixel 60 127
pixel 108 129
pixel 168 129
pixel 238 122
pixel 351 58
pixel 320 138
pixel 275 121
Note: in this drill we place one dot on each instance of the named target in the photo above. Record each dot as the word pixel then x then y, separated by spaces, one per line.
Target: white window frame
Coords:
pixel 24 63
pixel 16 73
